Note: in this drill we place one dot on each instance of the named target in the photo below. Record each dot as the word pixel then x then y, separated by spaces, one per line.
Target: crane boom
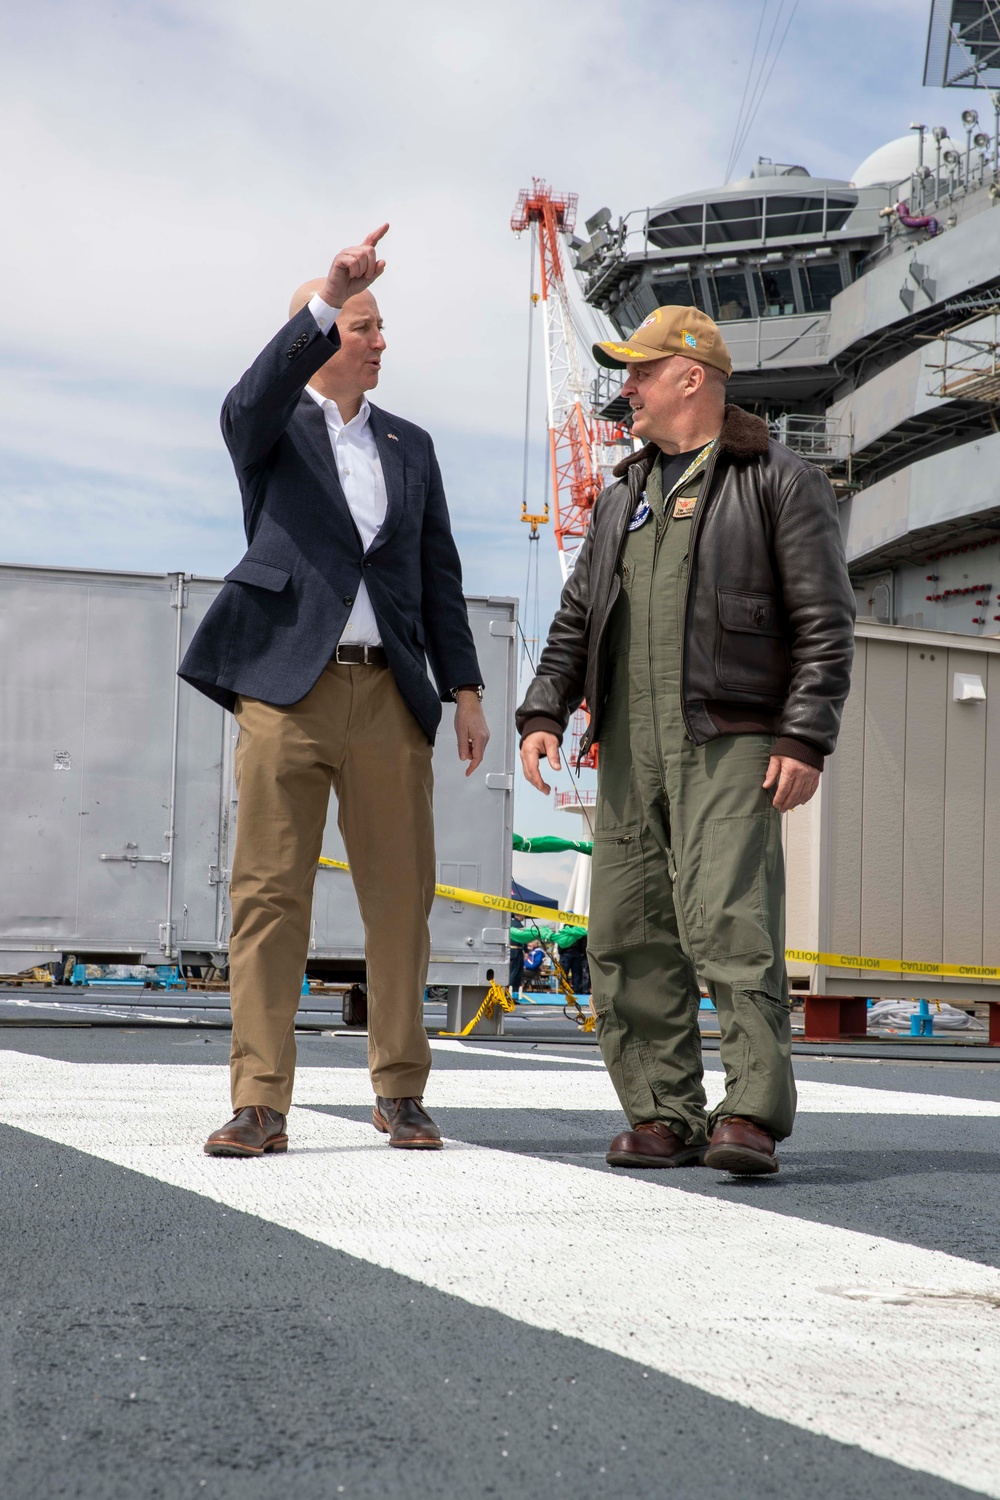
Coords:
pixel 575 436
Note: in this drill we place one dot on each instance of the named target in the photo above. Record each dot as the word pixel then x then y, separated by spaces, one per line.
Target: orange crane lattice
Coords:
pixel 582 447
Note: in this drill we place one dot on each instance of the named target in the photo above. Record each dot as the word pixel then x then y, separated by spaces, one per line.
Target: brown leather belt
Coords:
pixel 361 656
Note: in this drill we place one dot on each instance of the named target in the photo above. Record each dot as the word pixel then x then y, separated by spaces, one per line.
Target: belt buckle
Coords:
pixel 354 655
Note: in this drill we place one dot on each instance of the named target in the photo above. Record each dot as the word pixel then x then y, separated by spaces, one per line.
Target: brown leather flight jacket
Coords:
pixel 768 635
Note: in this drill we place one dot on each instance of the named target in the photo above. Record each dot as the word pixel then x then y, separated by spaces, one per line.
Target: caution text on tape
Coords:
pixel 892 965
pixel 799 955
pixel 495 903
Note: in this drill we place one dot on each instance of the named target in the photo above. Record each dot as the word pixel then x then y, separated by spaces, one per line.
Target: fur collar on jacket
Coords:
pixel 743 437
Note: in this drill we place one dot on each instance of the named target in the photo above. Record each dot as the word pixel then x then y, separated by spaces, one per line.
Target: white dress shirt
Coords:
pixel 356 455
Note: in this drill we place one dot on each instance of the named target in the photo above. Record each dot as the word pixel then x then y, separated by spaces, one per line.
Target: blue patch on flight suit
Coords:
pixel 642 513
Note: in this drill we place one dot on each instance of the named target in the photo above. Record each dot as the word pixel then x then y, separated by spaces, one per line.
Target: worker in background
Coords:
pixel 317 643
pixel 708 623
pixel 534 960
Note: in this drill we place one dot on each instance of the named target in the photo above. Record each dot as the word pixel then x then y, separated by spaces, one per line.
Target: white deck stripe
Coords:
pixel 518 1052
pixel 733 1300
pixel 555 1090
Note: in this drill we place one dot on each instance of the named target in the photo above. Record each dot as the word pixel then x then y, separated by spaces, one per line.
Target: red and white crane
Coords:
pixel 582 448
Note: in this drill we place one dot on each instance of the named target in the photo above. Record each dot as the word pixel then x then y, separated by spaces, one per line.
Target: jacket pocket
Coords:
pixel 751 651
pixel 261 575
pixel 618 900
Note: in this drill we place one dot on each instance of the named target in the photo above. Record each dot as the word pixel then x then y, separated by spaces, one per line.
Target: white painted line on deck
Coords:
pixel 518 1052
pixel 557 1090
pixel 759 1308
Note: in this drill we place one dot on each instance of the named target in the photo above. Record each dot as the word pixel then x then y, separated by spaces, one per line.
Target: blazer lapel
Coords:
pixel 317 446
pixel 390 451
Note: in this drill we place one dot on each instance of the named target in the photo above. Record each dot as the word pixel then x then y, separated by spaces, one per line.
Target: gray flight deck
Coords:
pixel 168 1329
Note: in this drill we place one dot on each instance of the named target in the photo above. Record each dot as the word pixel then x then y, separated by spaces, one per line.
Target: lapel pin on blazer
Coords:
pixel 393 436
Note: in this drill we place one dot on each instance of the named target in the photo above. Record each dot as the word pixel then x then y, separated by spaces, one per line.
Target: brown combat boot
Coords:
pixel 652 1144
pixel 253 1130
pixel 407 1124
pixel 741 1147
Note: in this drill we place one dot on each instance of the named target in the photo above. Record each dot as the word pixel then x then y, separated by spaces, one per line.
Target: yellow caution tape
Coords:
pixel 801 955
pixel 495 903
pixel 893 965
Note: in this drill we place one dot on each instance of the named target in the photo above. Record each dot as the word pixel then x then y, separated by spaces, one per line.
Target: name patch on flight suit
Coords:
pixel 684 507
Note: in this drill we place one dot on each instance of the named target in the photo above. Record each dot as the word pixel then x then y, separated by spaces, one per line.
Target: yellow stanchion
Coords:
pixel 572 1010
pixel 496 996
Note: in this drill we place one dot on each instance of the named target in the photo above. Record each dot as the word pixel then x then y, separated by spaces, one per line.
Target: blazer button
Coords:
pixel 348 598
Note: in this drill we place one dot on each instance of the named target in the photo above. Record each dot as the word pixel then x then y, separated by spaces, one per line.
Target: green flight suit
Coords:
pixel 688 875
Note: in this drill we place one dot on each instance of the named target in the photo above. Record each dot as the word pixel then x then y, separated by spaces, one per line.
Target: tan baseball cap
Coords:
pixel 669 330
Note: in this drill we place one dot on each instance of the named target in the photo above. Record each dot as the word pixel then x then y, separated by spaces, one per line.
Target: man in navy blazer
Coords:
pixel 319 643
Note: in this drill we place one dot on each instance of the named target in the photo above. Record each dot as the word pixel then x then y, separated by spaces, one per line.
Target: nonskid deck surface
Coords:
pixel 507 1317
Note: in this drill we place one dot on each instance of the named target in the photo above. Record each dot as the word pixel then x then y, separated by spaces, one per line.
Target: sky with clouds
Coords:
pixel 174 169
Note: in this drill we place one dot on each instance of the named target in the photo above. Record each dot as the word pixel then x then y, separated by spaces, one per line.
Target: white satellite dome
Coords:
pixel 894 161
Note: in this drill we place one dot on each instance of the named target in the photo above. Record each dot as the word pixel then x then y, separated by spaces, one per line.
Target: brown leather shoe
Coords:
pixel 741 1147
pixel 652 1144
pixel 253 1130
pixel 406 1123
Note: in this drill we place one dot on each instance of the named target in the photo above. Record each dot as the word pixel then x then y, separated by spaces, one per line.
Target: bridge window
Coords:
pixel 732 296
pixel 678 291
pixel 775 293
pixel 821 281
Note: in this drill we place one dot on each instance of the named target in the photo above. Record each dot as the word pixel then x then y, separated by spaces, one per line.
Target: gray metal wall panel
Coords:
pixel 89 655
pixel 923 804
pixel 202 732
pixel 87 680
pixel 965 787
pixel 964 258
pixel 846 789
pixel 882 802
pixel 948 486
pixel 991 815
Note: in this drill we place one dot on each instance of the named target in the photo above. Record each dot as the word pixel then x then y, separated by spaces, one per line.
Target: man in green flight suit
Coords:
pixel 708 624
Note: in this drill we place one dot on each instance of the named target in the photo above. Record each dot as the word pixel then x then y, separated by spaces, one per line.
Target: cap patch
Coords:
pixel 689 339
pixel 654 317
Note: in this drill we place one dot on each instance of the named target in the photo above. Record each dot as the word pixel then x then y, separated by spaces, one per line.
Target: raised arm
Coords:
pixel 260 406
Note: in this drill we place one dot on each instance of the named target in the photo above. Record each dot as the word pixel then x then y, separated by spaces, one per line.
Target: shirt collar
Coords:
pixel 332 411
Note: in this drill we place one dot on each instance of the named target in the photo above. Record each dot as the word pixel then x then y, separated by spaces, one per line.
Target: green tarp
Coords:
pixel 547 843
pixel 563 937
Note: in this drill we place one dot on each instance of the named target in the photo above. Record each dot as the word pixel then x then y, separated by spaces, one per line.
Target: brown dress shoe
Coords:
pixel 406 1123
pixel 652 1144
pixel 741 1147
pixel 253 1130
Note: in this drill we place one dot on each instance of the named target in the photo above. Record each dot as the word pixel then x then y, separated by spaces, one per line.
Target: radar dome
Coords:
pixel 895 161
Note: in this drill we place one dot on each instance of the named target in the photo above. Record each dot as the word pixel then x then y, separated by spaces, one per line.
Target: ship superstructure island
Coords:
pixel 863 318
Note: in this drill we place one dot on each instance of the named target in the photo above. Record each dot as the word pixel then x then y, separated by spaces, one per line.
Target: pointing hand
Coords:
pixel 353 269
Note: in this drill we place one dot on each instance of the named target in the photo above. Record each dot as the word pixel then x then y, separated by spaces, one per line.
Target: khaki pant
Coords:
pixel 352 733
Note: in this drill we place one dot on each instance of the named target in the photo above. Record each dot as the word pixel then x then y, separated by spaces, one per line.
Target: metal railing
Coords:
pixel 817 438
pixel 969 367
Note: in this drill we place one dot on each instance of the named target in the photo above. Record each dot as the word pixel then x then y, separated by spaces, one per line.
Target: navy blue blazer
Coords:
pixel 281 611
